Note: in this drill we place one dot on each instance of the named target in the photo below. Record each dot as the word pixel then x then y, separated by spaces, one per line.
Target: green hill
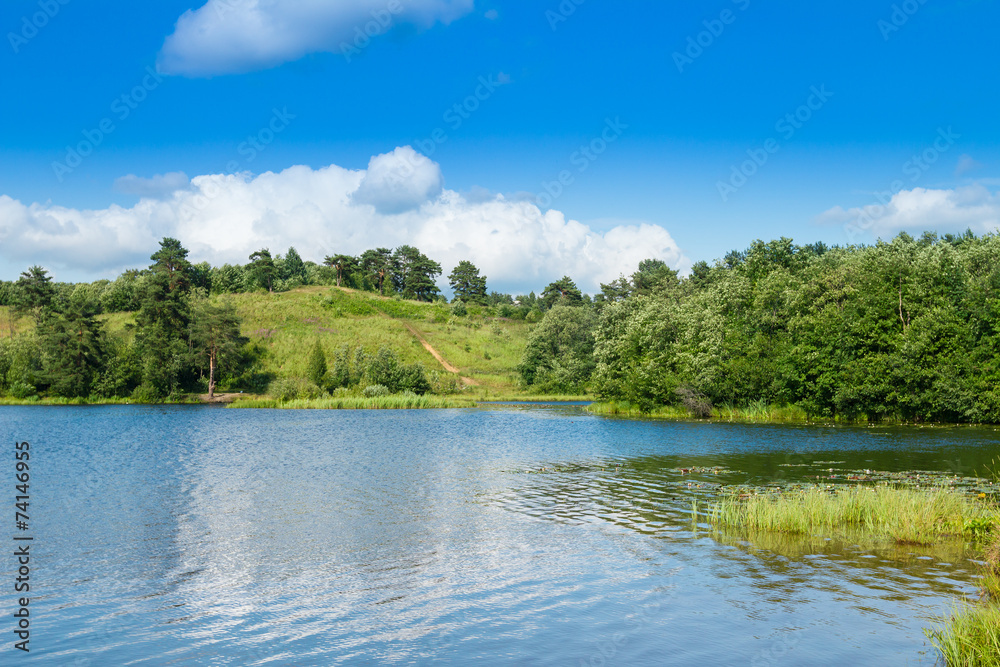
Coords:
pixel 484 349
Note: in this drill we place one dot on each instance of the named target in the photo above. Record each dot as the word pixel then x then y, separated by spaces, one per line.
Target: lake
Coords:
pixel 505 534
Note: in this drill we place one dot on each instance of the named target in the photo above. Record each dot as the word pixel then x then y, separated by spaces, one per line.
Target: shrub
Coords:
pixel 316 371
pixel 694 402
pixel 458 308
pixel 375 390
pixel 21 389
pixel 444 383
pixel 290 389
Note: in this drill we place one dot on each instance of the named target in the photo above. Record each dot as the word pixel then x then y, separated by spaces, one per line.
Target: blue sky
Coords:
pixel 671 98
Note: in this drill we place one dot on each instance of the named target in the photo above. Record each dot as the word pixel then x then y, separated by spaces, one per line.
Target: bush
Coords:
pixel 444 383
pixel 146 393
pixel 20 389
pixel 375 390
pixel 559 357
pixel 694 402
pixel 385 369
pixel 290 389
pixel 458 308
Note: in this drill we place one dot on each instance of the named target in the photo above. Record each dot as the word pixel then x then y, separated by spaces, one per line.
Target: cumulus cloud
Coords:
pixel 399 181
pixel 231 36
pixel 972 207
pixel 224 217
pixel 160 184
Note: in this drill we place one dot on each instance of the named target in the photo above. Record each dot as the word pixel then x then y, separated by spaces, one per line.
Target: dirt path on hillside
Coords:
pixel 437 355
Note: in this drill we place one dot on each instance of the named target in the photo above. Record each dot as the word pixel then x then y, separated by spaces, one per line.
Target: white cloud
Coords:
pixel 223 218
pixel 160 184
pixel 972 207
pixel 399 181
pixel 229 36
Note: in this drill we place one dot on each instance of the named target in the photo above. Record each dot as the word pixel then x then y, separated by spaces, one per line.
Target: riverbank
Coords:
pixel 759 413
pixel 249 401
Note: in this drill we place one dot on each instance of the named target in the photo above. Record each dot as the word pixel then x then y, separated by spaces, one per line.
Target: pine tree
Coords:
pixel 316 370
pixel 72 353
pixel 263 269
pixel 468 285
pixel 163 320
pixel 215 338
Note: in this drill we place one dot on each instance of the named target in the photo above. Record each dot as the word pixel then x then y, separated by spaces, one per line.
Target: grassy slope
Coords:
pixel 287 325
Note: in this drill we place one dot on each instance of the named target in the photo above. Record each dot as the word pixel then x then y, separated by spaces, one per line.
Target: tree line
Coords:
pixel 904 329
pixel 183 341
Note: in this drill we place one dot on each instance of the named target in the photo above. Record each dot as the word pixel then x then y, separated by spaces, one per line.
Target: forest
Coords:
pixel 900 330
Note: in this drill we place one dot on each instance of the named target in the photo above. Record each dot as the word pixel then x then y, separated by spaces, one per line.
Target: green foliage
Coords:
pixel 215 338
pixel 902 330
pixel 262 268
pixel 562 292
pixel 290 389
pixel 559 357
pixel 122 295
pixel 71 350
pixel 163 320
pixel 375 390
pixel 458 308
pixel 121 370
pixel 316 370
pixel 33 292
pixel 340 376
pixel 378 265
pixel 468 285
pixel 384 368
pixel 293 268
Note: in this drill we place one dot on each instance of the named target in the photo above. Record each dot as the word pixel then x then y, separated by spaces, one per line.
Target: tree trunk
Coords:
pixel 211 374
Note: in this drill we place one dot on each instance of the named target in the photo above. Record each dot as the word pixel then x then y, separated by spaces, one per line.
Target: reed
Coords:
pixel 906 516
pixel 394 402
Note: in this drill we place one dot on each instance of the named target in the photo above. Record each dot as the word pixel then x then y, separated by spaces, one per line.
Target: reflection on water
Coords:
pixel 505 535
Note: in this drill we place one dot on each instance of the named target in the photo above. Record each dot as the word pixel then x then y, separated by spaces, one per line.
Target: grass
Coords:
pixel 905 516
pixel 358 403
pixel 754 413
pixel 505 397
pixel 187 399
pixel 759 412
pixel 971 636
pixel 287 324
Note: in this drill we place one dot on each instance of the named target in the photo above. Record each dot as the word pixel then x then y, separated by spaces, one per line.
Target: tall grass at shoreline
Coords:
pixel 906 516
pixel 971 635
pixel 395 402
pixel 755 413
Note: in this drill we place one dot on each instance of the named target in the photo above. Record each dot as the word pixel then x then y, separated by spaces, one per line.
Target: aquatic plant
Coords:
pixel 406 401
pixel 907 516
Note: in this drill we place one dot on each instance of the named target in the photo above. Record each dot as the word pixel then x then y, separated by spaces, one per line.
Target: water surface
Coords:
pixel 505 534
